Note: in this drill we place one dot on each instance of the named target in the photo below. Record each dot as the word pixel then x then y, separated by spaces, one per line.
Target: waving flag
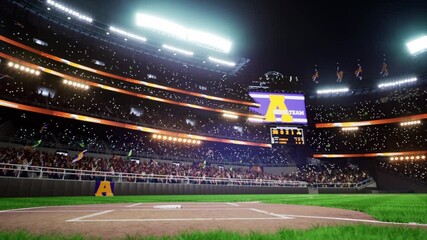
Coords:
pixel 36 144
pixel 384 69
pixel 79 157
pixel 129 154
pixel 358 72
pixel 44 127
pixel 340 73
pixel 315 76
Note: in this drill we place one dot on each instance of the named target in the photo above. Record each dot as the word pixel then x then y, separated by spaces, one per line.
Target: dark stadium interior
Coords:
pixel 30 139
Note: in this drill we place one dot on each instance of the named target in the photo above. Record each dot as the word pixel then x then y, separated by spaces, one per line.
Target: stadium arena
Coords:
pixel 161 130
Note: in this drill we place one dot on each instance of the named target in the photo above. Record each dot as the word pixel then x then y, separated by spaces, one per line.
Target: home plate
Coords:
pixel 167 206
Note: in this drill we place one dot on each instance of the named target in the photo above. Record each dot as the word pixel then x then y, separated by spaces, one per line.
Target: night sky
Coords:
pixel 291 36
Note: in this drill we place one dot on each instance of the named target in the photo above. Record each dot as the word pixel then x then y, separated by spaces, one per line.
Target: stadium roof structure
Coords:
pixel 150 44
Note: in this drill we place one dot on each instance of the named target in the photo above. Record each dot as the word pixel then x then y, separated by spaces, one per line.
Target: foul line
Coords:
pixel 53 211
pixel 174 219
pixel 357 220
pixel 17 209
pixel 232 204
pixel 133 205
pixel 184 209
pixel 271 214
pixel 90 215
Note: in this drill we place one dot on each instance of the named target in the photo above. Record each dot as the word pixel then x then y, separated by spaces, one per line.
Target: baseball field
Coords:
pixel 324 216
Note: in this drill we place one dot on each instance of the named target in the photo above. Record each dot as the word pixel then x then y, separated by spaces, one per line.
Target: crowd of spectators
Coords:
pixel 136 88
pixel 330 173
pixel 106 105
pixel 387 104
pixel 76 135
pixel 327 173
pixel 377 138
pixel 116 59
pixel 415 169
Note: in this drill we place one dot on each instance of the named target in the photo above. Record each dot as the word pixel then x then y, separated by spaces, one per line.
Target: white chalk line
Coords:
pixel 355 220
pixel 133 205
pixel 271 214
pixel 184 209
pixel 232 204
pixel 17 209
pixel 88 216
pixel 54 211
pixel 174 219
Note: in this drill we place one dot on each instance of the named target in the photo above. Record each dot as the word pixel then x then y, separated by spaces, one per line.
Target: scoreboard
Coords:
pixel 287 135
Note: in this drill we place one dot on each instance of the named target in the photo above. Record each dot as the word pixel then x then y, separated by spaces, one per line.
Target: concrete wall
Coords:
pixel 25 187
pixel 388 182
pixel 280 170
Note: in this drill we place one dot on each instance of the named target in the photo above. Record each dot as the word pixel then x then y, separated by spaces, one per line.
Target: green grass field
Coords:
pixel 404 208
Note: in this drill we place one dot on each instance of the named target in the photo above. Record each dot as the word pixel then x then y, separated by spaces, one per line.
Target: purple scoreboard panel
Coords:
pixel 280 107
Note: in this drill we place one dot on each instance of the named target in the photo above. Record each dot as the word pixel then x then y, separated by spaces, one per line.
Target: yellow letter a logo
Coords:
pixel 277 106
pixel 104 189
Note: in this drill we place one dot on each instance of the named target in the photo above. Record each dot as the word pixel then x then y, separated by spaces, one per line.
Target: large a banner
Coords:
pixel 280 107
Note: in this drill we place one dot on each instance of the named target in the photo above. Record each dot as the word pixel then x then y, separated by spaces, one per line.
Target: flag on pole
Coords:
pixel 79 157
pixel 315 76
pixel 384 69
pixel 358 72
pixel 36 144
pixel 129 154
pixel 44 127
pixel 340 73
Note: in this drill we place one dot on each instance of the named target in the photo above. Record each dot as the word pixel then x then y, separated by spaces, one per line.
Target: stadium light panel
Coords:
pixel 255 120
pixel 410 123
pixel 23 68
pixel 180 32
pixel 69 11
pixel 232 116
pixel 223 62
pixel 397 83
pixel 127 34
pixel 418 45
pixel 209 40
pixel 75 84
pixel 162 25
pixel 349 128
pixel 329 91
pixel 174 49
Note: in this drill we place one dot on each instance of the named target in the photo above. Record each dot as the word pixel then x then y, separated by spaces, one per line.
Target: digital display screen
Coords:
pixel 287 135
pixel 280 107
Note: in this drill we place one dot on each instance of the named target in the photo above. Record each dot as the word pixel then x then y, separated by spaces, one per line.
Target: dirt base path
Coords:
pixel 118 220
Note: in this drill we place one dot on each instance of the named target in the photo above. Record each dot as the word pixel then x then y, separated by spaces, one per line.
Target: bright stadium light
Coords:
pixel 180 32
pixel 23 68
pixel 223 62
pixel 162 25
pixel 232 116
pixel 69 11
pixel 126 34
pixel 410 123
pixel 255 120
pixel 329 91
pixel 75 84
pixel 349 128
pixel 397 83
pixel 209 40
pixel 178 50
pixel 418 45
